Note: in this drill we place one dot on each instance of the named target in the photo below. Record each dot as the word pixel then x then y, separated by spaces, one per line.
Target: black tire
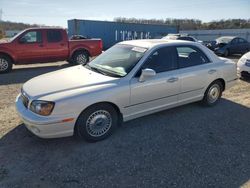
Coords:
pixel 226 53
pixel 208 99
pixel 5 64
pixel 80 57
pixel 244 75
pixel 105 120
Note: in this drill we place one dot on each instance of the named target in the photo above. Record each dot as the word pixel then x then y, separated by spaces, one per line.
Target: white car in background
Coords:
pixel 243 65
pixel 185 37
pixel 129 80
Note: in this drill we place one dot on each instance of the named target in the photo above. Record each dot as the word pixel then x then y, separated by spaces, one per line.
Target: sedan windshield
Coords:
pixel 118 61
pixel 225 40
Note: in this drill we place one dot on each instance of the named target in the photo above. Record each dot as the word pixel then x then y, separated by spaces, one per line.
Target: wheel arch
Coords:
pixel 205 101
pixel 120 115
pixel 9 56
pixel 222 81
pixel 78 50
pixel 228 51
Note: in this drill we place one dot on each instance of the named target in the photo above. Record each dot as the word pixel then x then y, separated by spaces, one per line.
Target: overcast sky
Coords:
pixel 57 13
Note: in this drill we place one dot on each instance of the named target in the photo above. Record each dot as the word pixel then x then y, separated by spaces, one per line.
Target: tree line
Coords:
pixel 182 24
pixel 7 25
pixel 191 24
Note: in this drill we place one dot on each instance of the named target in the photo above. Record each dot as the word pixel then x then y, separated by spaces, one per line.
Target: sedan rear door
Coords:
pixel 196 71
pixel 244 46
pixel 235 46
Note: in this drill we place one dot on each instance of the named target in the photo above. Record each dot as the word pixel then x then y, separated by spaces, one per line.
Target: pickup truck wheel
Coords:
pixel 96 122
pixel 213 93
pixel 80 58
pixel 5 64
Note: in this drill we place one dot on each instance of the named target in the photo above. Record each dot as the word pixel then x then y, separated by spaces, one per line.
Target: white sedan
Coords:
pixel 130 80
pixel 243 65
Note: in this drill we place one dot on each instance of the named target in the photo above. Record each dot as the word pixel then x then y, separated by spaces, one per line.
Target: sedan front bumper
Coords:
pixel 242 68
pixel 45 126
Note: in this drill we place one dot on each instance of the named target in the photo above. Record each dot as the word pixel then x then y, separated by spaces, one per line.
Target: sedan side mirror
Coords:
pixel 146 74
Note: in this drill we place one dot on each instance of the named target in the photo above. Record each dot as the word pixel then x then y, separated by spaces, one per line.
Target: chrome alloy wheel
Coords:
pixel 3 64
pixel 214 93
pixel 99 123
pixel 81 59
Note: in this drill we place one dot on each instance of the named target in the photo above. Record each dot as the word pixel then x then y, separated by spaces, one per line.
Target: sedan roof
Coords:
pixel 229 38
pixel 149 43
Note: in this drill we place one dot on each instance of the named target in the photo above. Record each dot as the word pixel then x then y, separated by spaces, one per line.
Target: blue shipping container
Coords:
pixel 113 32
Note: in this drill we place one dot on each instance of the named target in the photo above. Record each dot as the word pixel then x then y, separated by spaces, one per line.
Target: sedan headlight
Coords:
pixel 247 62
pixel 43 108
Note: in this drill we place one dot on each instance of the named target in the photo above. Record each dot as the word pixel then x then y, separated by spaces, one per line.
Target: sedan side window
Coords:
pixel 31 37
pixel 186 38
pixel 161 60
pixel 190 56
pixel 242 41
pixel 235 41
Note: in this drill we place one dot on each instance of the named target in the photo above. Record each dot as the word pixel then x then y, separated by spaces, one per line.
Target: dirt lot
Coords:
pixel 188 146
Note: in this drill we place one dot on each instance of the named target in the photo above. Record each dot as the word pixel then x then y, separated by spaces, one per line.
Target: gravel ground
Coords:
pixel 188 146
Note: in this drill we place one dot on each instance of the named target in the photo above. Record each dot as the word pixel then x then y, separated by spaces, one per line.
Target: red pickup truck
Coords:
pixel 37 45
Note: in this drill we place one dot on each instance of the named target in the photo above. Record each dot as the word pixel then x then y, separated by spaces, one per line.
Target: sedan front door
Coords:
pixel 160 91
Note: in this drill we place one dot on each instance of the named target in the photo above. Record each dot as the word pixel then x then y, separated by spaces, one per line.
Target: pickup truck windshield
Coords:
pixel 17 35
pixel 119 60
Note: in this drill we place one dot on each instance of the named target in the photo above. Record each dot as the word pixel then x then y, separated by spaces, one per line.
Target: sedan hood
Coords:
pixel 68 79
pixel 247 55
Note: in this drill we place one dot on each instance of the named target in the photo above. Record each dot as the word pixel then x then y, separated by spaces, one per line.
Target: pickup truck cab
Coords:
pixel 38 45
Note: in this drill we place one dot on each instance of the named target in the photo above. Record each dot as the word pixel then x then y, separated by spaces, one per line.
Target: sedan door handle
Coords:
pixel 40 45
pixel 173 79
pixel 212 71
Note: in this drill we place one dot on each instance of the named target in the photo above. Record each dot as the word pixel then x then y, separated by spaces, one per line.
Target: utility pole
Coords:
pixel 1 14
pixel 1 29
